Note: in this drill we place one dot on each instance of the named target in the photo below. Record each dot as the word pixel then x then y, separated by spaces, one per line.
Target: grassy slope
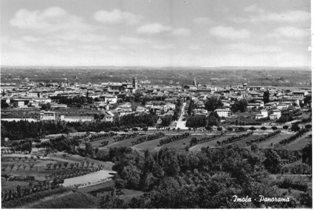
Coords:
pixel 273 140
pixel 73 200
pixel 123 143
pixel 298 144
pixel 148 145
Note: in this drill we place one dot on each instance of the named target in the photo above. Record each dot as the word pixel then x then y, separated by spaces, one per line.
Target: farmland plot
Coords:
pixel 299 143
pixel 148 145
pixel 269 143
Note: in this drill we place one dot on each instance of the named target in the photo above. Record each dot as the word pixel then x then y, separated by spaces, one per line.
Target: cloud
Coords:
pixel 202 20
pixel 253 9
pixel 153 28
pixel 194 47
pixel 133 40
pixel 30 39
pixel 81 37
pixel 227 32
pixel 52 19
pixel 163 46
pixel 117 16
pixel 158 28
pixel 116 47
pixel 258 15
pixel 290 32
pixel 181 32
pixel 54 25
pixel 251 48
pixel 292 16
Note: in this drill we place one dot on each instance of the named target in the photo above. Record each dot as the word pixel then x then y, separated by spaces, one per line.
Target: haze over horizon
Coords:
pixel 178 33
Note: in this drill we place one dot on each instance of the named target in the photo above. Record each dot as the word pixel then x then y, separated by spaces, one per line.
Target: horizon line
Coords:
pixel 132 66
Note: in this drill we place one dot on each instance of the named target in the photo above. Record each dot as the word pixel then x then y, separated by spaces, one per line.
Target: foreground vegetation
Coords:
pixel 207 179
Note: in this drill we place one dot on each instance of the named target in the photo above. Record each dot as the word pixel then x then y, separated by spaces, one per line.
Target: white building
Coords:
pixel 223 112
pixel 275 115
pixel 19 103
pixel 76 118
pixel 47 116
pixel 262 115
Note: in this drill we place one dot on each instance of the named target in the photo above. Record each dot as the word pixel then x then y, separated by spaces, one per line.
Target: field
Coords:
pixel 88 179
pixel 148 145
pixel 180 144
pixel 211 144
pixel 98 143
pixel 123 143
pixel 299 144
pixel 94 185
pixel 94 189
pixel 12 184
pixel 269 143
pixel 128 194
pixel 67 200
pixel 242 141
pixel 26 169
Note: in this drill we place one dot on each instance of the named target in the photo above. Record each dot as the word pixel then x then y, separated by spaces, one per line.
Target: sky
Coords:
pixel 206 33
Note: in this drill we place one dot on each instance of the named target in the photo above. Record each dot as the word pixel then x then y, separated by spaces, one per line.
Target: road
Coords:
pixel 180 122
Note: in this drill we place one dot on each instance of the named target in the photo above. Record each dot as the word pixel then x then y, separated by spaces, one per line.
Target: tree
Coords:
pixel 131 174
pixel 120 183
pixel 4 104
pixel 285 117
pixel 89 149
pixel 213 119
pixel 286 127
pixel 266 97
pixel 46 106
pixel 191 107
pixel 295 127
pixel 166 120
pixel 213 103
pixel 196 121
pixel 308 126
pixel 307 154
pixel 240 105
pixel 193 141
pixel 272 162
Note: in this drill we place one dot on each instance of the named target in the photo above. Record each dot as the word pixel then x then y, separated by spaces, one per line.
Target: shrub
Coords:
pixel 286 127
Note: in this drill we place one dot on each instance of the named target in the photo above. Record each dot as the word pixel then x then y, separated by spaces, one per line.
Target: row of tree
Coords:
pixel 263 138
pixel 234 138
pixel 294 137
pixel 173 138
pixel 147 138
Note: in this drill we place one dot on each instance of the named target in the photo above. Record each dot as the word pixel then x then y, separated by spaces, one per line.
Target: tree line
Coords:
pixel 24 129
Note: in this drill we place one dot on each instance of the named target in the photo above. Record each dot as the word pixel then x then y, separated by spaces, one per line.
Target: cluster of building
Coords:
pixel 108 99
pixel 280 99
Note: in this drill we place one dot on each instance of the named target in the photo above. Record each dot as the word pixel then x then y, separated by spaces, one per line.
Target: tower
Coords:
pixel 195 82
pixel 135 83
